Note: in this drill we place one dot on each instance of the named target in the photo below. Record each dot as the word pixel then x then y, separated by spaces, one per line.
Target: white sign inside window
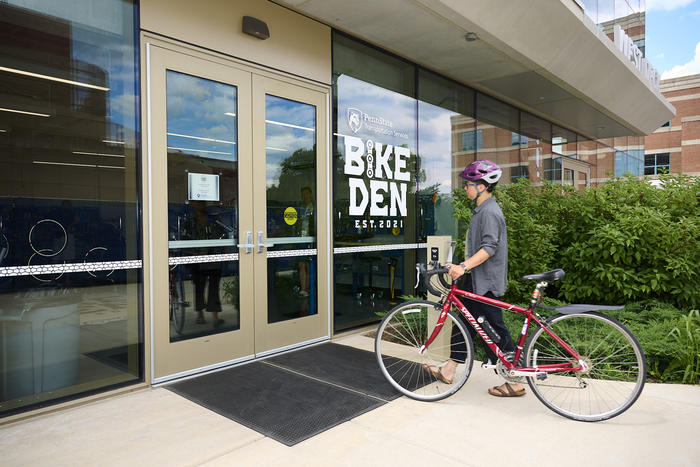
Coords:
pixel 202 187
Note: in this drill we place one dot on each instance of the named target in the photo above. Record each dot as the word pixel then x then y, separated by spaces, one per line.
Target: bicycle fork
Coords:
pixel 438 327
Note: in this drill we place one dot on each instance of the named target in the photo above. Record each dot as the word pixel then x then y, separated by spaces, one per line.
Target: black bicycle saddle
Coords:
pixel 553 275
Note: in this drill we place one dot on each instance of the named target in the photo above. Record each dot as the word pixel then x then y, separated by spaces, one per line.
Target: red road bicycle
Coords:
pixel 580 363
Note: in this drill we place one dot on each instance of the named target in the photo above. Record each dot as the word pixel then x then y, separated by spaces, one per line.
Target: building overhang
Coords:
pixel 546 57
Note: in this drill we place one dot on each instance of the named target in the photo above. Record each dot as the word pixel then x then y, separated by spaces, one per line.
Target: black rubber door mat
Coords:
pixel 274 401
pixel 342 365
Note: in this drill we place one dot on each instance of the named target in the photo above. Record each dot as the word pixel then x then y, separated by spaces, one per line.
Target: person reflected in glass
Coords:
pixel 205 275
pixel 306 229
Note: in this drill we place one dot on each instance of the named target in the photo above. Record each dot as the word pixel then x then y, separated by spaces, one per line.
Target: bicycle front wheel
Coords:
pixel 615 373
pixel 399 348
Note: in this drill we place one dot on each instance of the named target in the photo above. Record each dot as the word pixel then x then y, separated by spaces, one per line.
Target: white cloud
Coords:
pixel 690 68
pixel 667 5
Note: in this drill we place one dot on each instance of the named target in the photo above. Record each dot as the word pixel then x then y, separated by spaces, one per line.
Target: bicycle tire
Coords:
pixel 401 335
pixel 616 360
pixel 177 309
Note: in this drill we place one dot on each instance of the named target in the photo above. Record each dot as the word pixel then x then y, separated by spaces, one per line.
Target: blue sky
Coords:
pixel 673 36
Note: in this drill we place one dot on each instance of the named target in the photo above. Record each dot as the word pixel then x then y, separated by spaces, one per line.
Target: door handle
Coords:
pixel 248 246
pixel 262 245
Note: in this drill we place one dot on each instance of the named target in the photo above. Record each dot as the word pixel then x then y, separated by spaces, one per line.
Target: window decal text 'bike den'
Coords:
pixel 384 166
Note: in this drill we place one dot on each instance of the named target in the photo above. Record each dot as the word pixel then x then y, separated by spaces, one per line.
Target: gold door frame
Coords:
pixel 165 360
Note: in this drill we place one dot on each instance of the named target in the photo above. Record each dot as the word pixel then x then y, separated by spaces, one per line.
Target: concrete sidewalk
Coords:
pixel 156 427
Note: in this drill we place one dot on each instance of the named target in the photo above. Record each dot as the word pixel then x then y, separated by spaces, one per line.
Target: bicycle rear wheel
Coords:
pixel 177 308
pixel 616 367
pixel 398 343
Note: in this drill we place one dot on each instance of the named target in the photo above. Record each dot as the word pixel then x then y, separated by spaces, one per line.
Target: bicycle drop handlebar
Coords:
pixel 425 275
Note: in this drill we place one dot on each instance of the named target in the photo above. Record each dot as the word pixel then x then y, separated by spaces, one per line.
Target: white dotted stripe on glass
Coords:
pixel 290 253
pixel 173 260
pixel 360 249
pixel 15 271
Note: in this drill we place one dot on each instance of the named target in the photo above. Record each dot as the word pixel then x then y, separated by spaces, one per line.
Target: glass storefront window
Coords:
pixel 591 9
pixel 553 170
pixel 367 64
pixel 375 180
pixel 564 140
pixel 497 122
pixel 538 148
pixel 440 126
pixel 70 262
pixel 447 142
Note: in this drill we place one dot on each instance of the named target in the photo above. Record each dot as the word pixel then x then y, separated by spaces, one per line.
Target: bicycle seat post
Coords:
pixel 537 293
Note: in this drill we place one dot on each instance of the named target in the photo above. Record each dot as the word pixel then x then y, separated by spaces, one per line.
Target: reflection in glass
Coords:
pixel 365 281
pixel 438 136
pixel 498 122
pixel 69 195
pixel 368 118
pixel 372 66
pixel 290 149
pixel 447 141
pixel 202 206
pixel 553 170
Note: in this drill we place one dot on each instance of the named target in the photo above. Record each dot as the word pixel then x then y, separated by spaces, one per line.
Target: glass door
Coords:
pixel 289 197
pixel 239 251
pixel 200 189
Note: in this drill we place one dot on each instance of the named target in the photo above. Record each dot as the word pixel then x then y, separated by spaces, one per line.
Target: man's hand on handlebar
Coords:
pixel 456 271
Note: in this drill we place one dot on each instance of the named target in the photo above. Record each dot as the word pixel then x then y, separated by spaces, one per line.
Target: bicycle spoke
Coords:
pixel 401 336
pixel 615 367
pixel 410 330
pixel 403 332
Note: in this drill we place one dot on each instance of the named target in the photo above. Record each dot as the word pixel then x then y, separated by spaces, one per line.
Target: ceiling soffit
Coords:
pixel 543 56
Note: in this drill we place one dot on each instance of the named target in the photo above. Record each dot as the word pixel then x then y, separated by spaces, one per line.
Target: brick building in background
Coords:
pixel 675 147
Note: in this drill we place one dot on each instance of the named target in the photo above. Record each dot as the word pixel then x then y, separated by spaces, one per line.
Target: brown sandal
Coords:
pixel 509 392
pixel 436 372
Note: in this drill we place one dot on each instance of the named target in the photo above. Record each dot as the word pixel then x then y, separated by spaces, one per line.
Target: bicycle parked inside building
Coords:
pixel 579 362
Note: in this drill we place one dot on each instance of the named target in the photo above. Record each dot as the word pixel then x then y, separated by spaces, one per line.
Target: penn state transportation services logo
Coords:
pixel 354 119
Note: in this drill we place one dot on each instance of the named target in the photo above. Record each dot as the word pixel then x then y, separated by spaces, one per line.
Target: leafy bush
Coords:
pixel 688 337
pixel 652 323
pixel 623 241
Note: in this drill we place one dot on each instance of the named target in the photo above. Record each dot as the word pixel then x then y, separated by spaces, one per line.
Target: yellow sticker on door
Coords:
pixel 290 216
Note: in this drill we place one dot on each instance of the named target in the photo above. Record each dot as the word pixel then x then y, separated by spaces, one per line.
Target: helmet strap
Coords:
pixel 479 193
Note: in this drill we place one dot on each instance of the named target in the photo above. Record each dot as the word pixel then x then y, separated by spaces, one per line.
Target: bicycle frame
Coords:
pixel 530 316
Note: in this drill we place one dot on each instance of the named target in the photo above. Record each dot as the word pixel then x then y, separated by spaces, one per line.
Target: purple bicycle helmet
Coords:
pixel 482 170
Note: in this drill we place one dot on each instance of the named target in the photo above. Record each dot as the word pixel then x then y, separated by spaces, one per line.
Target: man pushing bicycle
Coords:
pixel 484 271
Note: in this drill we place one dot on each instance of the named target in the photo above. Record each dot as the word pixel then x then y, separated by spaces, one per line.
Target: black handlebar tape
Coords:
pixel 425 277
pixel 423 274
pixel 442 280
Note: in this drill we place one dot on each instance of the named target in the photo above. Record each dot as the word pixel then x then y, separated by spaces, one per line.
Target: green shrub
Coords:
pixel 651 322
pixel 687 336
pixel 623 241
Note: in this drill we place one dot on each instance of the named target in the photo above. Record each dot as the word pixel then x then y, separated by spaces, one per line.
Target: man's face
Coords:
pixel 472 190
